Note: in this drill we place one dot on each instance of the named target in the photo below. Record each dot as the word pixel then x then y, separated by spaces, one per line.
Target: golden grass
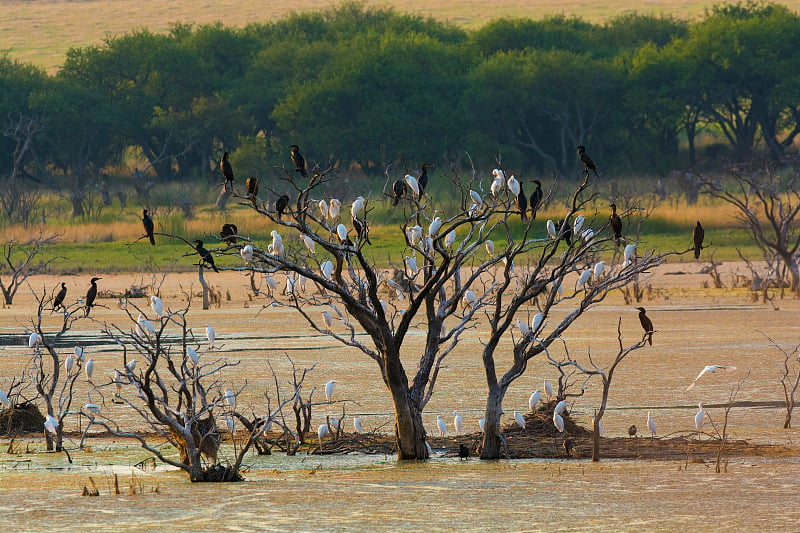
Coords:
pixel 42 32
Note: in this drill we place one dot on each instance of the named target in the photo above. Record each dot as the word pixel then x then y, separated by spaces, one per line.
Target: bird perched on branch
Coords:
pixel 91 294
pixel 567 235
pixel 698 234
pixel 647 325
pixel 227 170
pixel 522 203
pixel 205 255
pixel 227 233
pixel 149 227
pixel 58 301
pixel 362 230
pixel 616 224
pixel 588 164
pixel 422 179
pixel 281 204
pixel 398 191
pixel 536 198
pixel 252 186
pixel 298 160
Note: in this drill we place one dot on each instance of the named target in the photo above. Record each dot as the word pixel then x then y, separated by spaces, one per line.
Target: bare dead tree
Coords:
pixel 23 261
pixel 723 434
pixel 606 375
pixel 768 205
pixel 790 376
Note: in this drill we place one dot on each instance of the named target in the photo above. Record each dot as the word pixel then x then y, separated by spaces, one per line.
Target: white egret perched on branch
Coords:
pixel 583 278
pixel 79 353
pixel 33 340
pixel 89 369
pixel 537 321
pixel 513 186
pixel 210 335
pixel 411 264
pixel 558 422
pixel 51 424
pixel 335 207
pixel 551 229
pixel 414 234
pixel 230 397
pixel 323 208
pixel 497 185
pixel 358 207
pixel 357 425
pixel 329 390
pixel 131 366
pixel 698 418
pixel 600 429
pixel 276 248
pixel 434 227
pixel 322 432
pixel 709 369
pixel 442 425
pixel 193 355
pixel 92 408
pixel 341 232
pixel 458 422
pixel 490 248
pixel 577 225
pixel 630 253
pixel 534 399
pixel 327 319
pixel 157 305
pixel 651 423
pixel 519 419
pixel 327 269
pixel 598 270
pixel 476 197
pixel 69 362
pixel 469 299
pixel 413 184
pixel 247 253
pixel 548 390
pixel 523 327
pixel 587 235
pixel 560 407
pixel 310 244
pixel 270 282
pixel 450 240
pixel 145 326
pixel 481 423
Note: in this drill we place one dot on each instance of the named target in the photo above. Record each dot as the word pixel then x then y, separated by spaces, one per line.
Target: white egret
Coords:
pixel 411 181
pixel 710 369
pixel 323 208
pixel 442 425
pixel 414 234
pixel 230 397
pixel 469 299
pixel 210 335
pixel 231 424
pixel 558 422
pixel 145 326
pixel 131 366
pixel 193 355
pixel 89 368
pixel 537 321
pixel 329 390
pixel 513 186
pixel 497 186
pixel 327 269
pixel 630 253
pixel 411 265
pixel 276 248
pixel 335 423
pixel 4 398
pixel 583 278
pixel 384 306
pixel 523 327
pixel 560 407
pixel 551 229
pixel 79 353
pixel 473 210
pixel 520 420
pixel 333 210
pixel 533 401
pixel 290 285
pixel 301 280
pixel 548 390
pixel 357 425
pixel 598 270
pixel 651 424
pixel 481 423
pixel 428 447
pixel 92 408
pixel 51 424
pixel 490 248
pixel 358 207
pixel 435 226
pixel 476 197
pixel 577 224
pixel 327 319
pixel 247 253
pixel 450 240
pixel 458 422
pixel 33 340
pixel 341 232
pixel 310 244
pixel 69 362
pixel 587 235
pixel 497 173
pixel 698 418
pixel 157 305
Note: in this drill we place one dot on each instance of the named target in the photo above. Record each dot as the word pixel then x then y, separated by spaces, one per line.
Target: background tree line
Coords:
pixel 354 84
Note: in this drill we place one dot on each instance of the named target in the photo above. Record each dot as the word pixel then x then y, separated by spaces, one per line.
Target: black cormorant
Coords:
pixel 536 198
pixel 149 227
pixel 522 203
pixel 205 255
pixel 281 204
pixel 616 224
pixel 463 451
pixel 567 235
pixel 398 191
pixel 588 164
pixel 298 160
pixel 252 186
pixel 647 324
pixel 58 301
pixel 226 169
pixel 362 230
pixel 227 233
pixel 698 235
pixel 422 179
pixel 91 294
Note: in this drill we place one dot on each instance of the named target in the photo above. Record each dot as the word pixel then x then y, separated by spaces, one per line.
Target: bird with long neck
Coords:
pixel 149 227
pixel 91 294
pixel 616 224
pixel 698 234
pixel 647 325
pixel 298 160
pixel 588 164
pixel 536 198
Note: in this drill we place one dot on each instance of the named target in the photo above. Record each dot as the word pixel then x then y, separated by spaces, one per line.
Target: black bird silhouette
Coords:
pixel 298 160
pixel 205 255
pixel 398 191
pixel 632 430
pixel 252 186
pixel 422 179
pixel 588 164
pixel 227 233
pixel 463 451
pixel 698 235
pixel 362 230
pixel 149 227
pixel 58 301
pixel 616 224
pixel 281 204
pixel 522 203
pixel 647 325
pixel 536 199
pixel 567 236
pixel 568 447
pixel 91 294
pixel 226 169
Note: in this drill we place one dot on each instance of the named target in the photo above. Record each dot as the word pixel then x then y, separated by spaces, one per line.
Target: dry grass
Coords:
pixel 42 32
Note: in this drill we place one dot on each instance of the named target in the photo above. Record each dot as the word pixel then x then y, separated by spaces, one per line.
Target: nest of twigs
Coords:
pixel 21 418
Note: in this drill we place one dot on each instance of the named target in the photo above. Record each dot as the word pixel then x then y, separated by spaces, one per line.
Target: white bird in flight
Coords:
pixel 710 369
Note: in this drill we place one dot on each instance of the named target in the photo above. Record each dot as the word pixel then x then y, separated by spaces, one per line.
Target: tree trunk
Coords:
pixel 596 440
pixel 203 284
pixel 222 199
pixel 491 425
pixel 409 429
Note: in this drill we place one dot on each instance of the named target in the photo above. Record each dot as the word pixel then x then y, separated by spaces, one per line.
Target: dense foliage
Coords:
pixel 356 85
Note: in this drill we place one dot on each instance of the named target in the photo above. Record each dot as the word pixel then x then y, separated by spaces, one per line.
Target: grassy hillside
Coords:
pixel 41 32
